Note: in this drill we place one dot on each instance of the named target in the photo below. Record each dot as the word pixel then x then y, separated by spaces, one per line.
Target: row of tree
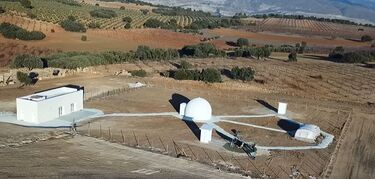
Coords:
pixel 71 24
pixel 339 54
pixel 103 13
pixel 252 52
pixel 206 24
pixel 15 32
pixel 69 2
pixel 179 11
pixel 339 21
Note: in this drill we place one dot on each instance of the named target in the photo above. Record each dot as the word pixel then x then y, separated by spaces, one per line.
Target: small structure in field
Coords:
pixel 307 133
pixel 49 104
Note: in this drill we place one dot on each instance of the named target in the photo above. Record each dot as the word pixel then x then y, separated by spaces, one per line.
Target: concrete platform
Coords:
pixel 62 122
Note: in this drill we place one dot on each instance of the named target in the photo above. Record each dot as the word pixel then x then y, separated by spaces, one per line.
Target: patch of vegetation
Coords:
pixel 27 61
pixel 127 19
pixel 127 26
pixel 69 2
pixel 93 25
pixel 24 78
pixel 251 52
pixel 179 11
pixel 15 32
pixel 209 75
pixel 2 10
pixel 185 65
pixel 146 53
pixel 339 55
pixel 139 73
pixel 205 24
pixel 240 15
pixel 242 42
pixel 244 74
pixel 103 13
pixel 153 23
pixel 202 50
pixel 84 38
pixel 292 57
pixel 71 24
pixel 338 21
pixel 366 38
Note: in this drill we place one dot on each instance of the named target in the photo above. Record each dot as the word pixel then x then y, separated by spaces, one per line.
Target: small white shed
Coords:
pixel 50 104
pixel 206 133
pixel 307 133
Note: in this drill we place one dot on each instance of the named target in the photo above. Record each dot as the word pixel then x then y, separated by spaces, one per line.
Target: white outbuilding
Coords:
pixel 198 110
pixel 50 104
pixel 307 133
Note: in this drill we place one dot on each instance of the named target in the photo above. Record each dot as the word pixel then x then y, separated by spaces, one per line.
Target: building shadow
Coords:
pixel 267 105
pixel 289 126
pixel 175 101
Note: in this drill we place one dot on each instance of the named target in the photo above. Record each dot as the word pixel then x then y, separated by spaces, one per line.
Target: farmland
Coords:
pixel 312 27
pixel 54 12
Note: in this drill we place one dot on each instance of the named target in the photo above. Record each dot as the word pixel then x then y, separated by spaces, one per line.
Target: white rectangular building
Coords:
pixel 50 104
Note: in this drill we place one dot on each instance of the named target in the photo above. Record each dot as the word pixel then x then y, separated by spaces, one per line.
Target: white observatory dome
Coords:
pixel 198 109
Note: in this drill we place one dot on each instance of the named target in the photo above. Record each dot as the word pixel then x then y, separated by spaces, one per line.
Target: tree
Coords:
pixel 70 24
pixel 127 26
pixel 139 73
pixel 211 75
pixel 24 78
pixel 127 19
pixel 27 61
pixel 84 38
pixel 185 65
pixel 26 4
pixel 292 57
pixel 337 53
pixel 242 42
pixel 366 38
pixel 2 10
pixel 244 74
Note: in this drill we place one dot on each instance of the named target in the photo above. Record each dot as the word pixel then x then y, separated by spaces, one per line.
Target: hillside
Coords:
pixel 360 11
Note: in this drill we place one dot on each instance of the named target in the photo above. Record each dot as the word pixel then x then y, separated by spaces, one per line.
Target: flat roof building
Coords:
pixel 50 104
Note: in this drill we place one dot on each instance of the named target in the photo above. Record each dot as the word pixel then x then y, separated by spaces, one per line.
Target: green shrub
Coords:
pixel 103 13
pixel 127 26
pixel 242 42
pixel 26 4
pixel 24 78
pixel 244 74
pixel 185 65
pixel 366 38
pixel 69 2
pixel 202 50
pixel 127 19
pixel 139 73
pixel 72 25
pixel 2 10
pixel 12 32
pixel 27 61
pixel 84 38
pixel 211 75
pixel 292 57
pixel 94 25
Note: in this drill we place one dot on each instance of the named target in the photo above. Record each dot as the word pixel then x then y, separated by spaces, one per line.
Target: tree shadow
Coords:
pixel 231 43
pixel 267 105
pixel 289 126
pixel 175 101
pixel 226 73
pixel 317 57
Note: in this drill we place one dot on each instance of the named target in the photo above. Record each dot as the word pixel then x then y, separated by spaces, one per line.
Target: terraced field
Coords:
pixel 54 12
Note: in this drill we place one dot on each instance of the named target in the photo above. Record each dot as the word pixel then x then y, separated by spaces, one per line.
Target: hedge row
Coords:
pixel 15 32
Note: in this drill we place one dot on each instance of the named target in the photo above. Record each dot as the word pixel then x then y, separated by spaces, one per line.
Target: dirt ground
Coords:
pixel 317 92
pixel 272 38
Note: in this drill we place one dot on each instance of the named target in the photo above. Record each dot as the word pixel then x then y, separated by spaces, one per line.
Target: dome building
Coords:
pixel 307 133
pixel 198 110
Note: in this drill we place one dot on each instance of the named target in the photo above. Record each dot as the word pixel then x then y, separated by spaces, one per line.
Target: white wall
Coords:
pixel 48 109
pixel 27 110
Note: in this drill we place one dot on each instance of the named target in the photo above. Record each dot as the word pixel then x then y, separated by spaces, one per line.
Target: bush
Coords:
pixel 139 73
pixel 244 74
pixel 24 78
pixel 358 57
pixel 366 38
pixel 127 19
pixel 72 25
pixel 211 75
pixel 242 42
pixel 12 31
pixel 153 23
pixel 202 50
pixel 122 8
pixel 145 11
pixel 103 13
pixel 2 10
pixel 127 26
pixel 185 65
pixel 183 74
pixel 94 25
pixel 84 38
pixel 27 61
pixel 337 53
pixel 292 57
pixel 26 4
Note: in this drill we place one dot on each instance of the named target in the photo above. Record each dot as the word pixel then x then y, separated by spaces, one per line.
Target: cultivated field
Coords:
pixel 312 27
